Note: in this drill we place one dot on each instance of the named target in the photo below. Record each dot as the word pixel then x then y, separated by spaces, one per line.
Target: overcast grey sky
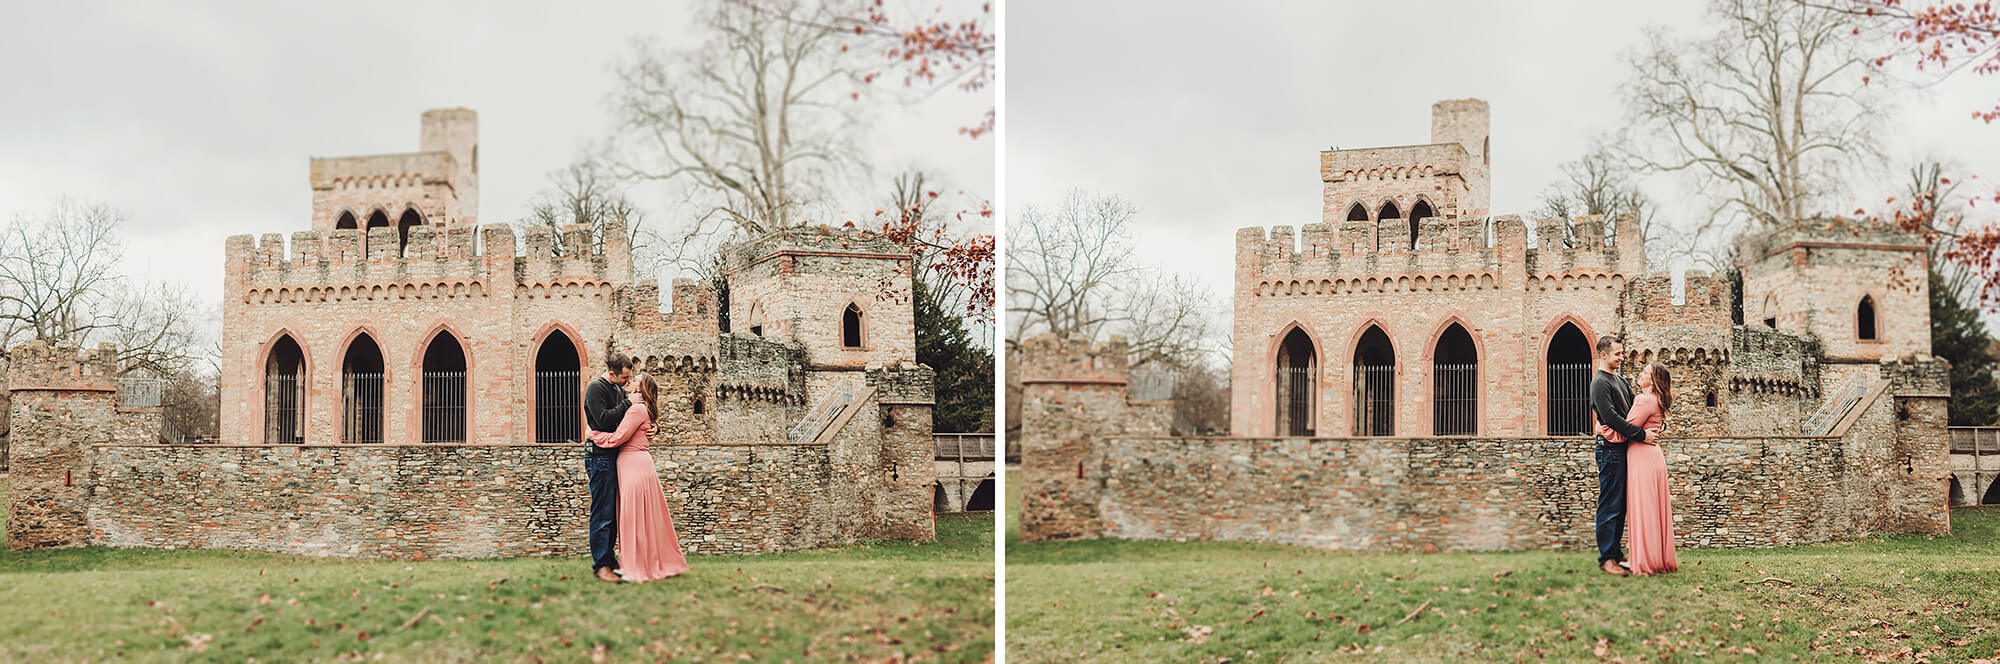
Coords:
pixel 197 119
pixel 1211 117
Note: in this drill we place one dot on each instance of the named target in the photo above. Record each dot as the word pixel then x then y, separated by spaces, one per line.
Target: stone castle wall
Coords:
pixel 1810 281
pixel 1509 296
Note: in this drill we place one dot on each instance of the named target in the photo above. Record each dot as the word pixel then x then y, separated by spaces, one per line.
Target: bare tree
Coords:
pixel 56 270
pixel 59 282
pixel 1070 271
pixel 1602 184
pixel 586 192
pixel 755 125
pixel 1766 116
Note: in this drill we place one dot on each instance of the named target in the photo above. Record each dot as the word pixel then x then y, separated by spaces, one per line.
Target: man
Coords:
pixel 604 404
pixel 1610 401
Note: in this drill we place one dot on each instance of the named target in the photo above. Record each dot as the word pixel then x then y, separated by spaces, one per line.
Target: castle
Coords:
pixel 1413 373
pixel 399 363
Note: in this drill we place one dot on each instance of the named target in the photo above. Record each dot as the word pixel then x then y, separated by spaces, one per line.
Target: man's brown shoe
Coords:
pixel 1611 567
pixel 606 575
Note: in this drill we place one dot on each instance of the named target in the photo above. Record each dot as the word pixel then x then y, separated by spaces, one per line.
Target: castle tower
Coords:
pixel 843 294
pixel 455 131
pixel 62 400
pixel 436 186
pixel 1465 122
pixel 1860 288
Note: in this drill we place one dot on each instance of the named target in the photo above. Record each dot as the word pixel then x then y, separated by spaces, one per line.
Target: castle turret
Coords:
pixel 455 131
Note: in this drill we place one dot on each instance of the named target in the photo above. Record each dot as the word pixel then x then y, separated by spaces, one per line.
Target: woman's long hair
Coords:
pixel 1663 385
pixel 649 392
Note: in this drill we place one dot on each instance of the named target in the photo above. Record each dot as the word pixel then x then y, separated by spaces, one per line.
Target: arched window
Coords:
pixel 361 391
pixel 284 392
pixel 981 499
pixel 1389 211
pixel 1374 384
pixel 1864 319
pixel 1357 213
pixel 1567 373
pixel 444 416
pixel 1455 384
pixel 851 330
pixel 409 220
pixel 1771 311
pixel 1418 213
pixel 377 218
pixel 754 318
pixel 1298 376
pixel 346 221
pixel 558 390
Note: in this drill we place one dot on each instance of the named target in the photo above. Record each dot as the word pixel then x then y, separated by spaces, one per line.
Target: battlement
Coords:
pixel 1053 359
pixel 907 382
pixel 1443 245
pixel 1701 299
pixel 1400 162
pixel 386 172
pixel 1827 233
pixel 451 258
pixel 810 241
pixel 37 365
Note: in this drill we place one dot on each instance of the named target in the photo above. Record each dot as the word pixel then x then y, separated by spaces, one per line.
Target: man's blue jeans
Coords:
pixel 1610 502
pixel 603 473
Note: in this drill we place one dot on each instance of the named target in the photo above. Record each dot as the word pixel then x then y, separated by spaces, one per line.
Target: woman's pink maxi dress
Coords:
pixel 648 549
pixel 1649 516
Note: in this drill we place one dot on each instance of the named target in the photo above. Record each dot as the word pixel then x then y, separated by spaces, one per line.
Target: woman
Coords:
pixel 1649 521
pixel 647 546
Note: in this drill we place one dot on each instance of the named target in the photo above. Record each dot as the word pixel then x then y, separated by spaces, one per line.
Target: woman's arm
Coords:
pixel 636 417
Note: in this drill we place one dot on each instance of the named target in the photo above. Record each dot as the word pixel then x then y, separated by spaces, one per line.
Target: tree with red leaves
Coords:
pixel 934 53
pixel 1941 39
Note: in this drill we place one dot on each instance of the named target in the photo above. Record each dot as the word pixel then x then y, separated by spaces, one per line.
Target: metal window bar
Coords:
pixel 1455 399
pixel 1569 399
pixel 361 407
pixel 558 406
pixel 1374 400
pixel 444 407
pixel 284 408
pixel 1295 400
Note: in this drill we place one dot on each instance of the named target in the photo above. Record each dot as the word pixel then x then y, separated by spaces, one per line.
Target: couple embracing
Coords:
pixel 1631 470
pixel 627 504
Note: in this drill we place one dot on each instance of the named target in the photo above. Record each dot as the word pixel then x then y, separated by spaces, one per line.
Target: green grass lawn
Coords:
pixel 877 601
pixel 1894 598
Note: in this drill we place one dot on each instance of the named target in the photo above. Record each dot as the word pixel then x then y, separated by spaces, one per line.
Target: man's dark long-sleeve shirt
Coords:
pixel 604 405
pixel 1611 400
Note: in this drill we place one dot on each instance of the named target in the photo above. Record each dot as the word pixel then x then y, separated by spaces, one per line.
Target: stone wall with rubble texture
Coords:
pixel 62 400
pixel 1404 494
pixel 1811 280
pixel 454 501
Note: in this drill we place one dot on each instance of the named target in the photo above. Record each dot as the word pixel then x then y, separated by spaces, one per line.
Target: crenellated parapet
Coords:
pixel 756 367
pixel 1445 253
pixel 1826 233
pixel 905 383
pixel 821 240
pixel 37 365
pixel 385 173
pixel 436 262
pixel 1054 359
pixel 1683 324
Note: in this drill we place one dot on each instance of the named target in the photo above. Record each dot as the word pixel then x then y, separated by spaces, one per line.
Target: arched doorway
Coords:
pixel 285 392
pixel 361 391
pixel 444 414
pixel 1455 384
pixel 1297 378
pixel 1567 388
pixel 1992 493
pixel 1953 496
pixel 409 220
pixel 939 503
pixel 981 499
pixel 1374 384
pixel 558 390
